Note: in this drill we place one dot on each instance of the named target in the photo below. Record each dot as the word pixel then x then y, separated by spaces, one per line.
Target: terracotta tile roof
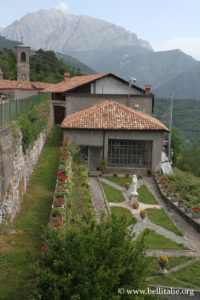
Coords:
pixel 111 115
pixel 23 85
pixel 73 82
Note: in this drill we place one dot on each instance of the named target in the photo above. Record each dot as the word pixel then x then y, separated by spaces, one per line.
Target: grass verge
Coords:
pixel 187 277
pixel 154 240
pixel 120 212
pixel 160 217
pixel 145 196
pixel 119 180
pixel 25 233
pixel 112 195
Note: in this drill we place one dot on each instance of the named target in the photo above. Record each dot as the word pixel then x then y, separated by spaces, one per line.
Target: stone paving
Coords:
pixel 98 198
pixel 146 223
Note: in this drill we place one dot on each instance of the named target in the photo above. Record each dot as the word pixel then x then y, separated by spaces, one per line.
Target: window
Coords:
pixel 129 153
pixel 23 57
pixel 84 154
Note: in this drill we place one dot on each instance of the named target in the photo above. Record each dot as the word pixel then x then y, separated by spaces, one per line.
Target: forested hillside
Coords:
pixel 44 66
pixel 186 117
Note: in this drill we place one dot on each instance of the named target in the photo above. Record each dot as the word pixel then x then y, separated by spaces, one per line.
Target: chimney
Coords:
pixel 1 74
pixel 66 77
pixel 147 89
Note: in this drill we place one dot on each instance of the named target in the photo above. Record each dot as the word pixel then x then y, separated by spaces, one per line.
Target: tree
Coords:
pixel 177 142
pixel 190 160
pixel 90 262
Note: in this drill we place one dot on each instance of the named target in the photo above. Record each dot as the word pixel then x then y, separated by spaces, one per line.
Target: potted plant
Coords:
pixel 58 202
pixel 127 186
pixel 135 204
pixel 103 165
pixel 196 212
pixel 181 203
pixel 143 214
pixel 163 263
pixel 56 215
pixel 187 207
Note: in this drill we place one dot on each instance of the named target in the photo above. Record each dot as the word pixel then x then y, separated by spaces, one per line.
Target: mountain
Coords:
pixel 5 43
pixel 186 85
pixel 67 59
pixel 154 67
pixel 75 63
pixel 54 29
pixel 105 47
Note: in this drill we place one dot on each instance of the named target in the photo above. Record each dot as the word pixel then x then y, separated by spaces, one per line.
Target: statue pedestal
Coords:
pixel 133 197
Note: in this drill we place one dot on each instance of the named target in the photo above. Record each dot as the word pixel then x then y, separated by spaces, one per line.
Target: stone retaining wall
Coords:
pixel 16 168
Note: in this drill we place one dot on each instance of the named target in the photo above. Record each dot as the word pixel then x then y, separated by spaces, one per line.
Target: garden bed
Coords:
pixel 174 202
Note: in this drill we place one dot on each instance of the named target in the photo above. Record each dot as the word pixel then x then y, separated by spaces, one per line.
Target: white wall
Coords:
pixel 110 85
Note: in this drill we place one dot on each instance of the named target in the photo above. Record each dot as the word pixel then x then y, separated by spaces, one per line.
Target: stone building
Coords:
pixel 127 140
pixel 22 87
pixel 120 132
pixel 22 55
pixel 76 93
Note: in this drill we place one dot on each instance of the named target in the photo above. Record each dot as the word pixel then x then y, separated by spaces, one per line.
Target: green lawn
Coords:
pixel 124 213
pixel 112 195
pixel 188 277
pixel 153 266
pixel 16 277
pixel 160 217
pixel 119 180
pixel 154 240
pixel 145 196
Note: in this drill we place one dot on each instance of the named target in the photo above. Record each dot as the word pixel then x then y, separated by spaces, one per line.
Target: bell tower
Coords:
pixel 22 55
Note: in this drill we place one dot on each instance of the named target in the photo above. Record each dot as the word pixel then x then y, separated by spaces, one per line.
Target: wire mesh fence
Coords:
pixel 12 109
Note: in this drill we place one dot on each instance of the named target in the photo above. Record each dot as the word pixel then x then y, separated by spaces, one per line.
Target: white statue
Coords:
pixel 133 188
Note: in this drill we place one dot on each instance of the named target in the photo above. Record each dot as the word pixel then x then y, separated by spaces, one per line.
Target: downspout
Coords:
pixel 104 133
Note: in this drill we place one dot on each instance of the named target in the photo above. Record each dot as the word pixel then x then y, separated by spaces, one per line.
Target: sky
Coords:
pixel 166 24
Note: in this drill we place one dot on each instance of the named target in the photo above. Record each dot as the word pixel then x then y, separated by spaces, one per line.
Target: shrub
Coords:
pixel 91 262
pixel 32 123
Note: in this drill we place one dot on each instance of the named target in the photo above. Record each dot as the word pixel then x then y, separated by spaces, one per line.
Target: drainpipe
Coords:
pixel 104 133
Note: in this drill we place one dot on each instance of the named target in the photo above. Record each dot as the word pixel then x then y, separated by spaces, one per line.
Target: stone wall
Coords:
pixel 16 168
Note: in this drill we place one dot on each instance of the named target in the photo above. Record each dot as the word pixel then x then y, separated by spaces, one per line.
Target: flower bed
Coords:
pixel 183 188
pixel 63 186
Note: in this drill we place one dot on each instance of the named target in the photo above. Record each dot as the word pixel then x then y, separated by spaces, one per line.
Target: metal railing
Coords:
pixel 12 109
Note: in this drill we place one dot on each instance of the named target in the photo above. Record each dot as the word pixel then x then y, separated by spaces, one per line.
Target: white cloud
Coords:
pixel 188 45
pixel 62 6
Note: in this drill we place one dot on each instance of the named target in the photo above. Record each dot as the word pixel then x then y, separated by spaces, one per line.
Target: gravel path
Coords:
pixel 172 253
pixel 141 225
pixel 98 198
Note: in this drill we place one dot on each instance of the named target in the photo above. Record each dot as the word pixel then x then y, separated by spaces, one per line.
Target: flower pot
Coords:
pixel 180 204
pixel 135 205
pixel 187 209
pixel 195 212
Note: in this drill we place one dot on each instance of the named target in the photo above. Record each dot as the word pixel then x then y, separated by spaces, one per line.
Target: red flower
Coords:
pixel 59 201
pixel 64 157
pixel 162 181
pixel 58 222
pixel 196 209
pixel 62 176
pixel 43 248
